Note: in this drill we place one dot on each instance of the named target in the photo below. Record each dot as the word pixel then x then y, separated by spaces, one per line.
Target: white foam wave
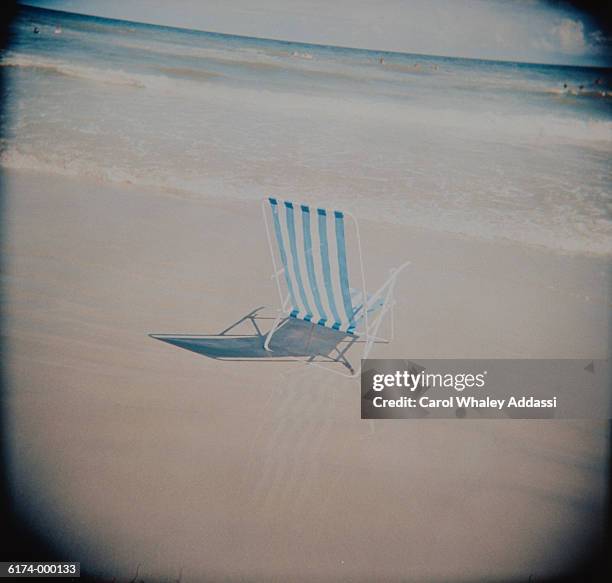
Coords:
pixel 194 86
pixel 581 236
pixel 74 166
pixel 165 82
pixel 116 77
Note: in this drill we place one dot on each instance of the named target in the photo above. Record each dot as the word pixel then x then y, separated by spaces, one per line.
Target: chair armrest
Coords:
pixel 390 280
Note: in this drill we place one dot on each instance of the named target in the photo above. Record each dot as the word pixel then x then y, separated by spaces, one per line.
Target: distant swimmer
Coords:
pixel 381 61
pixel 580 87
pixel 36 30
pixel 417 66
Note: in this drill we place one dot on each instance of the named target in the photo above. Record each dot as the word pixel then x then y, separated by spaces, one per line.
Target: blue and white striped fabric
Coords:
pixel 312 250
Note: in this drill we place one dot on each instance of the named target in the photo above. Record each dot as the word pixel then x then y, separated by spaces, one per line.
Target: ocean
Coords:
pixel 483 148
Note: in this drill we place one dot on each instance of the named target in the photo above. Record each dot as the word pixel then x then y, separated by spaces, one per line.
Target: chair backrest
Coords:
pixel 312 249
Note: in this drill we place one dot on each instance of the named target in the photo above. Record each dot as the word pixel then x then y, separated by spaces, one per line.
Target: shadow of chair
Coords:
pixel 295 340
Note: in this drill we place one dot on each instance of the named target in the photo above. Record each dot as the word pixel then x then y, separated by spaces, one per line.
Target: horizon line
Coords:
pixel 311 44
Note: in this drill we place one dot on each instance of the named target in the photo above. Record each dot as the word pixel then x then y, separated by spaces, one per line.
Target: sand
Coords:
pixel 131 451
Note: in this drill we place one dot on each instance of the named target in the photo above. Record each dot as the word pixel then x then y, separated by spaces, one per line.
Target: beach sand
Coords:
pixel 133 451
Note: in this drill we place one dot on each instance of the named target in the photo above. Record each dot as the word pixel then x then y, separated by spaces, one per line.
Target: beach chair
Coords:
pixel 308 248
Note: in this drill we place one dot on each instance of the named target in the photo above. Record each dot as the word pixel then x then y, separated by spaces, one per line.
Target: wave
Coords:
pixel 115 77
pixel 165 81
pixel 110 76
pixel 250 57
pixel 190 83
pixel 578 236
pixel 577 92
pixel 366 68
pixel 189 73
pixel 13 158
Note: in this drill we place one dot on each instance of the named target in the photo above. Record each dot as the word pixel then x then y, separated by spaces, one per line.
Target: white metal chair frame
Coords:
pixel 369 334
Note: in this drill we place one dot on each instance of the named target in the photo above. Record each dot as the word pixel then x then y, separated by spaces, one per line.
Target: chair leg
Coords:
pixel 367 348
pixel 271 332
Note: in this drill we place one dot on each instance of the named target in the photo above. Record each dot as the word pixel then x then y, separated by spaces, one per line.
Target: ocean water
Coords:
pixel 488 149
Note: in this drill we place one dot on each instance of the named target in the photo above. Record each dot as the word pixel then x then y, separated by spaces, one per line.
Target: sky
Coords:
pixel 516 30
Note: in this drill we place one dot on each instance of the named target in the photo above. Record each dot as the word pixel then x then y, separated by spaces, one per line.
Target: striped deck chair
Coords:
pixel 308 249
